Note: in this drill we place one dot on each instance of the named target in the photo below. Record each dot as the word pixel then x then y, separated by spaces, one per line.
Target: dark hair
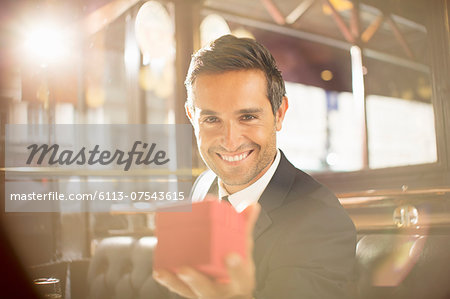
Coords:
pixel 229 53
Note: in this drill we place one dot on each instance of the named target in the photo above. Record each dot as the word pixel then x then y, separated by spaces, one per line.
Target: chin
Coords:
pixel 234 180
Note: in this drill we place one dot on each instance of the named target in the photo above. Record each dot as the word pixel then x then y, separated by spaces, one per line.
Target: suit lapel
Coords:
pixel 274 194
pixel 261 224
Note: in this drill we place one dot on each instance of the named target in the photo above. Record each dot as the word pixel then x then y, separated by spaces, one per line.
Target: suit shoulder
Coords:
pixel 314 200
pixel 306 186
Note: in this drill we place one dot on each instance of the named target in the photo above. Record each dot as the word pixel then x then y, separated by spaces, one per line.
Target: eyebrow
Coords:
pixel 242 111
pixel 208 112
pixel 250 110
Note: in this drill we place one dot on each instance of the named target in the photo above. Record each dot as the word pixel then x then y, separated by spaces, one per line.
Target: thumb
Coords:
pixel 242 275
pixel 251 214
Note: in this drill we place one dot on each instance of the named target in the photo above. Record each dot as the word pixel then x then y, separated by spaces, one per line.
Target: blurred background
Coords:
pixel 357 74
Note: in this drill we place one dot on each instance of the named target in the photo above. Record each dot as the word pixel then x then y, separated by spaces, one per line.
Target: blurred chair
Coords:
pixel 121 268
pixel 404 266
pixel 389 266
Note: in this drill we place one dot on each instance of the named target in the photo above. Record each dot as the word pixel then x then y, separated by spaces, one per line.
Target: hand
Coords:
pixel 191 283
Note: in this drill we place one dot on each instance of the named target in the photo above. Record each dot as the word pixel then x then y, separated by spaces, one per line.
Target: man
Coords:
pixel 303 242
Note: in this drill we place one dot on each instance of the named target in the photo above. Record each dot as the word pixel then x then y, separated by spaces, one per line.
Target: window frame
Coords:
pixel 420 176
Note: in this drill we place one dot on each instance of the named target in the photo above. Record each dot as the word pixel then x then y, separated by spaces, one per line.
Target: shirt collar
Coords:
pixel 242 199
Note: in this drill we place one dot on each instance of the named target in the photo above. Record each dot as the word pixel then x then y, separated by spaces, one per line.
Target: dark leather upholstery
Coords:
pixel 404 266
pixel 389 266
pixel 121 268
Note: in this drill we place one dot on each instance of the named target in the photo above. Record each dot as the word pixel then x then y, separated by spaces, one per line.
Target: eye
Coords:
pixel 247 117
pixel 210 120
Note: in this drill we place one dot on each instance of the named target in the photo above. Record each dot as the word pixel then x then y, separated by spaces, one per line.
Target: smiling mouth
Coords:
pixel 235 158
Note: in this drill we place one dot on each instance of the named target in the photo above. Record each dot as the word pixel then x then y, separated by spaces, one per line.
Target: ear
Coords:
pixel 189 112
pixel 281 112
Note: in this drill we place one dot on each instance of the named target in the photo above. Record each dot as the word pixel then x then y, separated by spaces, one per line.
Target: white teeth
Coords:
pixel 234 158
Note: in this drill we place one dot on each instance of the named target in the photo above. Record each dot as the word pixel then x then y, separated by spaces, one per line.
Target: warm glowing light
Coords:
pixel 95 96
pixel 212 27
pixel 242 32
pixel 155 31
pixel 326 75
pixel 332 159
pixel 339 5
pixel 357 74
pixel 45 44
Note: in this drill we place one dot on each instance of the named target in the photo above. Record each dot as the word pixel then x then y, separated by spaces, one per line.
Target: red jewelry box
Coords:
pixel 200 239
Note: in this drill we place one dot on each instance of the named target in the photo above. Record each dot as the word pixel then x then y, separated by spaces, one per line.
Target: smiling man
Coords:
pixel 235 125
pixel 301 242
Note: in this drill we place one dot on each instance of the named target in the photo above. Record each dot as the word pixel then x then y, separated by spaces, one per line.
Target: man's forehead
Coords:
pixel 234 82
pixel 238 77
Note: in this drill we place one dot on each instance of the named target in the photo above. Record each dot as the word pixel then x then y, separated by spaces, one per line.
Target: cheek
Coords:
pixel 259 134
pixel 264 130
pixel 205 137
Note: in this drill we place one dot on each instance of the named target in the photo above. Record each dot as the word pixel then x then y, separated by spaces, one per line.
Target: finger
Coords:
pixel 241 274
pixel 173 283
pixel 200 284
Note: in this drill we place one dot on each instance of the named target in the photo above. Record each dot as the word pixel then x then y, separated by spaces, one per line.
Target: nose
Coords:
pixel 231 136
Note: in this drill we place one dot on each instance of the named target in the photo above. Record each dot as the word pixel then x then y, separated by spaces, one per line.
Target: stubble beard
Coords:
pixel 240 177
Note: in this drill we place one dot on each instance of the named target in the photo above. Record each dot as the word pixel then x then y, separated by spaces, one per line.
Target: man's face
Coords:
pixel 235 126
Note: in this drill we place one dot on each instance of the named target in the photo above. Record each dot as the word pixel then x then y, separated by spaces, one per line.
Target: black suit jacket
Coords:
pixel 304 240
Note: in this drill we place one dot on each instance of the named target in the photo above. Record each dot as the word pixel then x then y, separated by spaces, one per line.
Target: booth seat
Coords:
pixel 389 266
pixel 403 266
pixel 121 268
